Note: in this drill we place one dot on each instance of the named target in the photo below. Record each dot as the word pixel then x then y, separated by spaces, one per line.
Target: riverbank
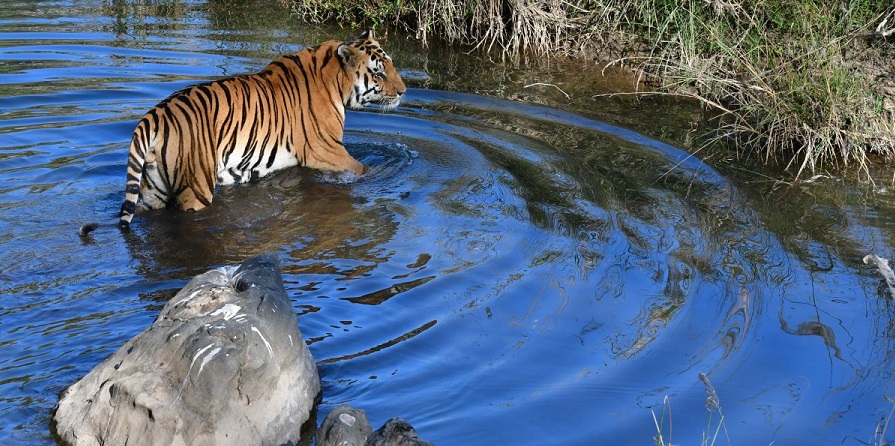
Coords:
pixel 807 84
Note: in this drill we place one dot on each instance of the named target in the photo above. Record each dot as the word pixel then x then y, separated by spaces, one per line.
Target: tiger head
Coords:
pixel 376 80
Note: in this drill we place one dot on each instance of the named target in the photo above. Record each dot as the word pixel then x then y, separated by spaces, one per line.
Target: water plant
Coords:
pixel 713 428
pixel 879 434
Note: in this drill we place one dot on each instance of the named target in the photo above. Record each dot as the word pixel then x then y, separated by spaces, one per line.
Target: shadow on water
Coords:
pixel 506 273
pixel 290 209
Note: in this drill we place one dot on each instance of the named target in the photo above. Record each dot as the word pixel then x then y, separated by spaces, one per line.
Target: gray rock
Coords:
pixel 396 432
pixel 347 426
pixel 344 426
pixel 224 363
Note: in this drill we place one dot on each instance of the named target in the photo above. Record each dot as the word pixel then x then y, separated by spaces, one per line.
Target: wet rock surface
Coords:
pixel 224 363
pixel 344 426
pixel 347 426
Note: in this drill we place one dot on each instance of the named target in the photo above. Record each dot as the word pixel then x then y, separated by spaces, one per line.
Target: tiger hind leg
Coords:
pixel 190 200
pixel 154 192
pixel 150 193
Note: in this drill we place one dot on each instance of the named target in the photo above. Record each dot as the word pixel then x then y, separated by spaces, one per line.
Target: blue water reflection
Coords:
pixel 506 273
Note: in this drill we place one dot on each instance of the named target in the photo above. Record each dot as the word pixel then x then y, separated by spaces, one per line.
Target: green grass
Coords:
pixel 781 79
pixel 805 83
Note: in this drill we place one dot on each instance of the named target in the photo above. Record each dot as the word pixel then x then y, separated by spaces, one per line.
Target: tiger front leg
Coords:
pixel 336 159
pixel 352 165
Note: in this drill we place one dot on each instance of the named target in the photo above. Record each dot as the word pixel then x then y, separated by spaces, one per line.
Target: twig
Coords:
pixel 548 85
pixel 881 28
pixel 707 102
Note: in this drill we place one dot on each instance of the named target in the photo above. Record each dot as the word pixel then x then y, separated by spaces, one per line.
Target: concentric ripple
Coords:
pixel 504 273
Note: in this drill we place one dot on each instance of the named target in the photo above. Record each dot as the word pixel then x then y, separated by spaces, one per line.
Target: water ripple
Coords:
pixel 500 264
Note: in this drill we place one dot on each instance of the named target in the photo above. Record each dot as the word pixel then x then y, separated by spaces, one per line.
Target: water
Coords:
pixel 507 273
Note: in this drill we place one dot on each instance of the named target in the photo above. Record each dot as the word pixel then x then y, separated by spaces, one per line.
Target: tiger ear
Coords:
pixel 367 35
pixel 349 55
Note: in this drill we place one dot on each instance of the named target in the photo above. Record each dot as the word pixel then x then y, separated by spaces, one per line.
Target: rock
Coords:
pixel 344 426
pixel 224 363
pixel 347 426
pixel 396 432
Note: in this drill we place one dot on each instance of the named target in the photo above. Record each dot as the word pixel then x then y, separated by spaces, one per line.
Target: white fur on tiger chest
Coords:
pixel 241 170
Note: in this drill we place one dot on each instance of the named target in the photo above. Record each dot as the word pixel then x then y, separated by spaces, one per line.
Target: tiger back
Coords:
pixel 242 128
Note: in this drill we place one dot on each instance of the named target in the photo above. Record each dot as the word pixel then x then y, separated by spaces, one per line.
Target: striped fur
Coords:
pixel 245 127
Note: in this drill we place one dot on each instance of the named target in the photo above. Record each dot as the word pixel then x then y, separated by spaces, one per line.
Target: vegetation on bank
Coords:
pixel 811 83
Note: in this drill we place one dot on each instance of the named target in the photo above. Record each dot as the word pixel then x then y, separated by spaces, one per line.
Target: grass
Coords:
pixel 790 80
pixel 806 83
pixel 879 434
pixel 713 428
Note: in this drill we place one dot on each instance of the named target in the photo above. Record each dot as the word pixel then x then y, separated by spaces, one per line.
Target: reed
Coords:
pixel 713 427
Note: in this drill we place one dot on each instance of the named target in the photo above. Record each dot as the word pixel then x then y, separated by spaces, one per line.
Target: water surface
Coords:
pixel 507 273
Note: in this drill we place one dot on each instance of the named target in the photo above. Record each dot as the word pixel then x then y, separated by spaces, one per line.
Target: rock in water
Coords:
pixel 396 432
pixel 224 363
pixel 344 426
pixel 347 426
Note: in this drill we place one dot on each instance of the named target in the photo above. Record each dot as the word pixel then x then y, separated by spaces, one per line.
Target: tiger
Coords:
pixel 242 128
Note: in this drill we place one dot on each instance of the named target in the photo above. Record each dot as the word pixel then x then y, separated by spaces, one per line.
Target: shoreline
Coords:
pixel 810 87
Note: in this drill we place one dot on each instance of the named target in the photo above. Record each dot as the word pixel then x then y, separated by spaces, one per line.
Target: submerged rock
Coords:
pixel 224 363
pixel 396 432
pixel 347 426
pixel 344 426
